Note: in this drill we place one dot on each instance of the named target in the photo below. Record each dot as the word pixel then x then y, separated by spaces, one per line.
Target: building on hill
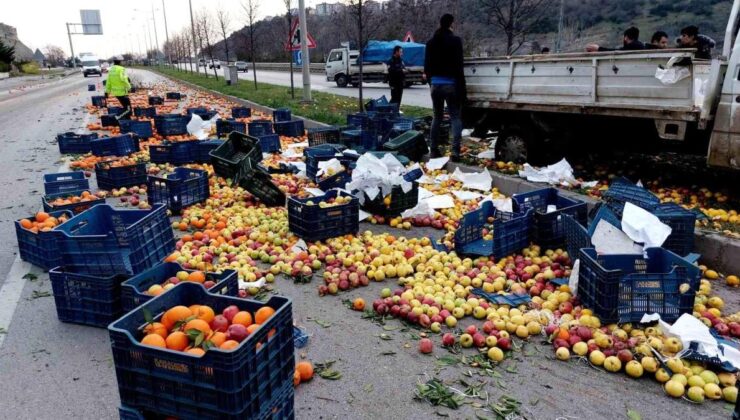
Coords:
pixel 9 37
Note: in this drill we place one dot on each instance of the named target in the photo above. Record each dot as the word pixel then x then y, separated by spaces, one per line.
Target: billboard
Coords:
pixel 91 22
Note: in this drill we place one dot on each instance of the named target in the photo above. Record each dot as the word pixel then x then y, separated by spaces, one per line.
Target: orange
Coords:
pixel 172 257
pixel 175 314
pixel 358 304
pixel 42 216
pixel 197 351
pixel 563 334
pixel 194 308
pixel 187 238
pixel 182 226
pixel 156 328
pixel 197 276
pixel 178 340
pixel 296 378
pixel 251 328
pixel 263 314
pixel 26 224
pixel 205 313
pixel 198 324
pixel 154 340
pixel 198 236
pixel 229 344
pixel 242 317
pixel 305 369
pixel 218 338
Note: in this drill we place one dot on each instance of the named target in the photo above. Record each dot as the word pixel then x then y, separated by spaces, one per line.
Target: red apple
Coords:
pixel 504 343
pixel 479 340
pixel 624 356
pixel 229 312
pixel 472 329
pixel 448 339
pixel 219 323
pixel 425 346
pixel 236 332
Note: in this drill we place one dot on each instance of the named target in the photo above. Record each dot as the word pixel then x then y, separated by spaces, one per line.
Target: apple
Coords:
pixel 448 339
pixel 472 329
pixel 425 346
pixel 488 327
pixel 466 340
pixel 491 341
pixel 229 312
pixel 479 340
pixel 219 323
pixel 504 343
pixel 624 356
pixel 236 332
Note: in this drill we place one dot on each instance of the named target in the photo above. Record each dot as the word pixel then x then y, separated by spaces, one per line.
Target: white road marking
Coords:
pixel 10 293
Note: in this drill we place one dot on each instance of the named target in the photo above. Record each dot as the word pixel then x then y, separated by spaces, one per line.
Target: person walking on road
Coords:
pixel 118 85
pixel 396 75
pixel 443 68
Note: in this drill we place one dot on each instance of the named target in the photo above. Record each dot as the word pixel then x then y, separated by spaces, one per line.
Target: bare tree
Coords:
pixel 289 19
pixel 54 55
pixel 207 35
pixel 250 9
pixel 223 21
pixel 362 22
pixel 516 18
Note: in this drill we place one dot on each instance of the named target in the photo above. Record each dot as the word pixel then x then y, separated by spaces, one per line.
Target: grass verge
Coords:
pixel 326 108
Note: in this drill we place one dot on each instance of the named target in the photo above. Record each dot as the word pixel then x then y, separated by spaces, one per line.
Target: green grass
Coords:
pixel 326 108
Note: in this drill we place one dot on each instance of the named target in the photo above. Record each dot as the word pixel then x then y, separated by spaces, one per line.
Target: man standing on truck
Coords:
pixel 659 41
pixel 396 75
pixel 691 38
pixel 118 85
pixel 443 67
pixel 630 42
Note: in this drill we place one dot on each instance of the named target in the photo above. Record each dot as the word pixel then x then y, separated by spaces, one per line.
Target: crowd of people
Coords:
pixel 690 38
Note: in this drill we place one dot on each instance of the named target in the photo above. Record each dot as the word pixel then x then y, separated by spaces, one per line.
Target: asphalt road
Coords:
pixel 417 95
pixel 53 370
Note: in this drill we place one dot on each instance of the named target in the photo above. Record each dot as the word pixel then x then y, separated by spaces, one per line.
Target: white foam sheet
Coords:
pixel 644 227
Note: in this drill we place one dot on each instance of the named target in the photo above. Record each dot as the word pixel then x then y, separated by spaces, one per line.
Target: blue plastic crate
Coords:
pixel 359 139
pixel 314 155
pixel 182 188
pixel 127 413
pixel 174 96
pixel 251 381
pixel 260 185
pixel 314 223
pixel 399 201
pixel 622 288
pixel 86 299
pixel 258 128
pixel 98 100
pixel 622 190
pixel 40 249
pixel 108 121
pixel 73 143
pixel 114 177
pixel 176 152
pixel 171 124
pixel 549 230
pixel 373 103
pixel 606 214
pixel 104 240
pixel 241 112
pixel 65 182
pixel 511 232
pixel 133 290
pixel 115 110
pixel 270 143
pixel 239 154
pixel 143 129
pixel 122 145
pixel 317 136
pixel 576 236
pixel 202 149
pixel 145 112
pixel 682 223
pixel 281 114
pixel 155 100
pixel 201 111
pixel 75 208
pixel 411 144
pixel 338 180
pixel 224 127
pixel 91 88
pixel 358 120
pixel 290 128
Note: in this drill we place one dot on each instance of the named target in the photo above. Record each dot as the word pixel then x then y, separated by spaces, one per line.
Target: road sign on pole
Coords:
pixel 294 43
pixel 298 58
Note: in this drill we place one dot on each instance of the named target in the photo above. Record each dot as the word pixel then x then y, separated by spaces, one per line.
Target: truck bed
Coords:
pixel 619 83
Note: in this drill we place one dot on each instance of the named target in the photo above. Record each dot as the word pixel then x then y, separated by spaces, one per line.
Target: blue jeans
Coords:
pixel 442 94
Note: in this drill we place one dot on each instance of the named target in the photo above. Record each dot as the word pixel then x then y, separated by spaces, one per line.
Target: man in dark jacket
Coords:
pixel 630 42
pixel 659 41
pixel 690 38
pixel 396 75
pixel 443 68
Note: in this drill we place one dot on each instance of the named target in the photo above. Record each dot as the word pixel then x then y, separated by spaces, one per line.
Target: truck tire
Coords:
pixel 517 144
pixel 341 80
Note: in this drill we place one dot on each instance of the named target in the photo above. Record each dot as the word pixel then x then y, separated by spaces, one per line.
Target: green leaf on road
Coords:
pixel 30 277
pixel 324 324
pixel 437 393
pixel 633 415
pixel 368 388
pixel 325 371
pixel 388 353
pixel 39 294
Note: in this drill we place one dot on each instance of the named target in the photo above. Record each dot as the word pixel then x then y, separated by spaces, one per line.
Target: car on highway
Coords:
pixel 91 65
pixel 214 63
pixel 202 62
pixel 242 66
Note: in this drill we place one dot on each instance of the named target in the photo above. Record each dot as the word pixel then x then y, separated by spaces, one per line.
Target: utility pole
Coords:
pixel 560 27
pixel 195 45
pixel 306 62
pixel 166 32
pixel 156 37
pixel 71 48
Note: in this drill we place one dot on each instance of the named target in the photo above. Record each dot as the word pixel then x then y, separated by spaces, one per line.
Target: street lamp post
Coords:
pixel 195 45
pixel 156 37
pixel 166 32
pixel 306 62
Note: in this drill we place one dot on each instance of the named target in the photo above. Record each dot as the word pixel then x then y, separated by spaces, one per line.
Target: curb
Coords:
pixel 717 251
pixel 265 109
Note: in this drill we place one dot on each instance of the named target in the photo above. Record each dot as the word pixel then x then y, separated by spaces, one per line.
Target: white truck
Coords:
pixel 342 67
pixel 652 99
pixel 90 65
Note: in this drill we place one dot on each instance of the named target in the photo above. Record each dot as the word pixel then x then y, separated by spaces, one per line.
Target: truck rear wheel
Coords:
pixel 341 80
pixel 516 144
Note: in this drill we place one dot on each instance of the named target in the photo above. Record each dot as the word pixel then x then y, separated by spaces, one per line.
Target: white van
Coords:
pixel 91 65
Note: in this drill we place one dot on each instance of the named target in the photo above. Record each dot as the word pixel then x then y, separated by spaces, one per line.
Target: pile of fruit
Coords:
pixel 197 329
pixel 181 276
pixel 83 197
pixel 332 202
pixel 42 222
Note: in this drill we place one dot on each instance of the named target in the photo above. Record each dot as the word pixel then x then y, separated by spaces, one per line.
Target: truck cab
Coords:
pixel 91 65
pixel 337 66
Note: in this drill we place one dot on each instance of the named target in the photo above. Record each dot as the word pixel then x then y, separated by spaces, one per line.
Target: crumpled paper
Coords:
pixel 467 195
pixel 644 227
pixel 200 128
pixel 442 201
pixel 422 208
pixel 314 191
pixel 487 154
pixel 248 285
pixel 608 239
pixel 560 173
pixel 332 166
pixel 573 279
pixel 437 163
pixel 376 176
pixel 474 180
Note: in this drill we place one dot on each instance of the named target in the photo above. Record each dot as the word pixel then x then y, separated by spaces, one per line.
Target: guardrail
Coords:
pixel 318 68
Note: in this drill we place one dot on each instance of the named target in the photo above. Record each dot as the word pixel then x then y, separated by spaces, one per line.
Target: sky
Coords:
pixel 42 22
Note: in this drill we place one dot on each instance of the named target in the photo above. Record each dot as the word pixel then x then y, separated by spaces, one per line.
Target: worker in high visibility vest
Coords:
pixel 118 85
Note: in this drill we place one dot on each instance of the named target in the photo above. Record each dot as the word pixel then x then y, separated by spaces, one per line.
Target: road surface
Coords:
pixel 417 95
pixel 52 370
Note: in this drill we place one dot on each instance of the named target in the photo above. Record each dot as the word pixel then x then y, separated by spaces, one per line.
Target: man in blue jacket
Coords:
pixel 443 68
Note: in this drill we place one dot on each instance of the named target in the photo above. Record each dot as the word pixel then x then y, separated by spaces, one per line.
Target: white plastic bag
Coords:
pixel 672 75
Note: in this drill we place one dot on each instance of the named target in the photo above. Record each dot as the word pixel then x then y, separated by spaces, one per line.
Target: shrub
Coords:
pixel 31 67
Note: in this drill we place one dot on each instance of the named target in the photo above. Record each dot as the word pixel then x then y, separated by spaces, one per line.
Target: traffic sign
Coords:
pixel 294 43
pixel 298 58
pixel 408 37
